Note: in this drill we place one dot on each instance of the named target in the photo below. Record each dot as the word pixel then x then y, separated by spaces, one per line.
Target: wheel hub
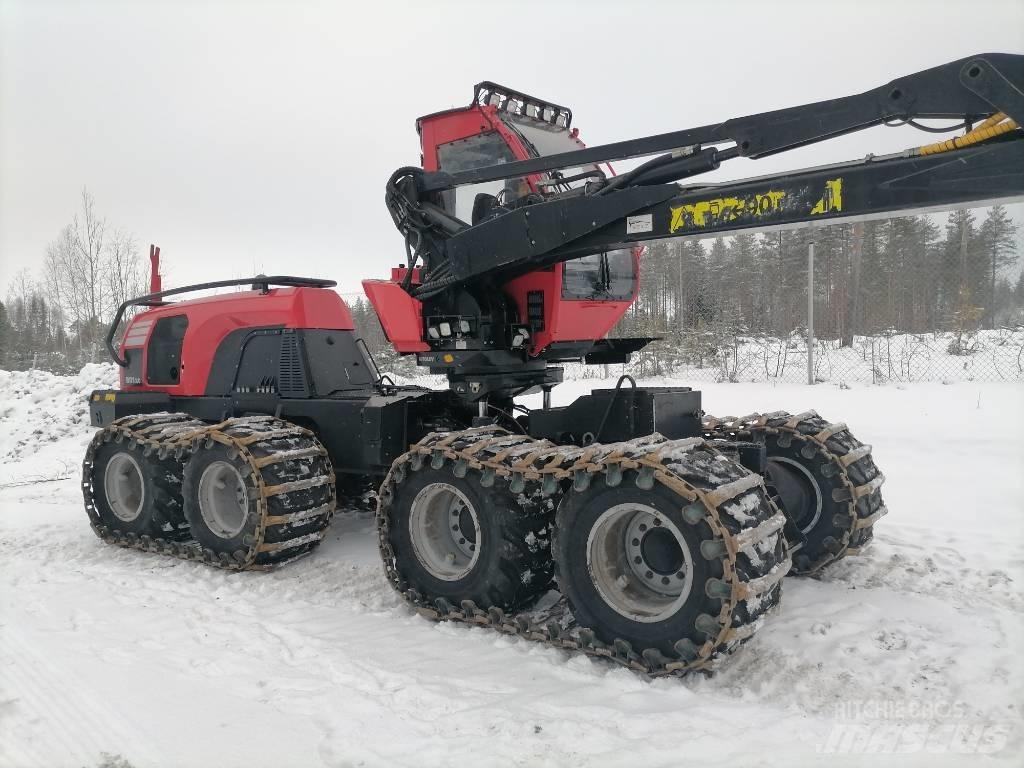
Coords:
pixel 797 490
pixel 123 486
pixel 659 549
pixel 639 562
pixel 466 528
pixel 223 500
pixel 445 531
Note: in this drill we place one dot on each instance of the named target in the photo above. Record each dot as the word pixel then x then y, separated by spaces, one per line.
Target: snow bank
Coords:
pixel 39 408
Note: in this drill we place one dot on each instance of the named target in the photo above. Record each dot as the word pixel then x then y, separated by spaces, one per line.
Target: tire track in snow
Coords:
pixel 51 702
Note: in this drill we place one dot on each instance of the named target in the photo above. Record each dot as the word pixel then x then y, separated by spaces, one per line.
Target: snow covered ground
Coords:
pixel 908 654
pixel 899 358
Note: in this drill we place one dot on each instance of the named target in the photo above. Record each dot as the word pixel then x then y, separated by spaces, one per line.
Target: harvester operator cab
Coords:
pixel 500 126
pixel 563 304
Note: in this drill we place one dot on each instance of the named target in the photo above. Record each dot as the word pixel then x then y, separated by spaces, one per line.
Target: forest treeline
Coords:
pixel 905 274
pixel 900 275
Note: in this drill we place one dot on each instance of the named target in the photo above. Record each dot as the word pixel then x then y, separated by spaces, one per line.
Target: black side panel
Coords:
pixel 227 359
pixel 133 371
pixel 363 430
pixel 163 364
pixel 335 362
pixel 106 405
pixel 293 363
pixel 257 370
pixel 610 415
pixel 384 430
pixel 337 424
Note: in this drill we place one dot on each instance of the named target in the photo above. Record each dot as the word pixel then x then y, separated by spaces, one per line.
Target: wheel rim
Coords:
pixel 639 562
pixel 445 531
pixel 223 500
pixel 796 487
pixel 122 483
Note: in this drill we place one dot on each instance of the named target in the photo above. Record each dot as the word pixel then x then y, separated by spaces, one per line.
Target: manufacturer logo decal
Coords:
pixel 638 224
pixel 722 211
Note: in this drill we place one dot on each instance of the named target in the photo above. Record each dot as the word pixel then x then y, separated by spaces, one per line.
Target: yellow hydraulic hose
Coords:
pixel 994 126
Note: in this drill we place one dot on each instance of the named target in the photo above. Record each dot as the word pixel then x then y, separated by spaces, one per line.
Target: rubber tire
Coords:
pixel 201 532
pixel 814 548
pixel 161 515
pixel 499 578
pixel 576 516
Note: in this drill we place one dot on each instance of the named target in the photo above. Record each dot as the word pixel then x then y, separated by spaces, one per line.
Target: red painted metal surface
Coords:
pixel 455 124
pixel 566 319
pixel 154 269
pixel 401 316
pixel 212 318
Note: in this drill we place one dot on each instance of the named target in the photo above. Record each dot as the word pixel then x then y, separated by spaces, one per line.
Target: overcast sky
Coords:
pixel 249 137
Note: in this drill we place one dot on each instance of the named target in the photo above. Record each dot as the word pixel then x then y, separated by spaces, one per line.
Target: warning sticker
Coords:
pixel 638 224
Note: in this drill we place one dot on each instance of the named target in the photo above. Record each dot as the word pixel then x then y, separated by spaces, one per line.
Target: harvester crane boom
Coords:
pixel 985 164
pixel 968 89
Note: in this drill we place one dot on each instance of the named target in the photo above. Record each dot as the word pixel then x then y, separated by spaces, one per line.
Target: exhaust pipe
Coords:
pixel 154 269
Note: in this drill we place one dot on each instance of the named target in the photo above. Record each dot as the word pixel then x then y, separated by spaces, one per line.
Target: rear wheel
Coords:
pixel 799 488
pixel 223 499
pixel 811 490
pixel 138 494
pixel 824 479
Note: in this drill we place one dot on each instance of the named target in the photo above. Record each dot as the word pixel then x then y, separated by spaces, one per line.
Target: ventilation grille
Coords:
pixel 291 373
pixel 535 310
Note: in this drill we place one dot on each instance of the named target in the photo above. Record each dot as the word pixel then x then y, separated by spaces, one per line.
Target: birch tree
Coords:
pixel 89 270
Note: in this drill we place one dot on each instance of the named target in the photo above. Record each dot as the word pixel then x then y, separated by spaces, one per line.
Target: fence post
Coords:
pixel 810 312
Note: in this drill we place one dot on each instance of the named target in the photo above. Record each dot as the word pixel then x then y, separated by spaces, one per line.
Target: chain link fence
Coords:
pixel 900 300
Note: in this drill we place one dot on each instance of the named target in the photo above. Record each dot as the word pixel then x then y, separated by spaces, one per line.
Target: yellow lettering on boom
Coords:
pixel 832 200
pixel 725 209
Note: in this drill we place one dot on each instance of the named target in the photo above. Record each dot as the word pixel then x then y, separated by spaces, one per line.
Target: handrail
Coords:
pixel 259 283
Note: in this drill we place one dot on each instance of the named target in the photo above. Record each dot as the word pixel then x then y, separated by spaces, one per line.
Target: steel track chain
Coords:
pixel 753 529
pixel 845 457
pixel 262 441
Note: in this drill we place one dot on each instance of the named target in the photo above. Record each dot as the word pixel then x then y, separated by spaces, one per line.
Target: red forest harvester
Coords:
pixel 241 418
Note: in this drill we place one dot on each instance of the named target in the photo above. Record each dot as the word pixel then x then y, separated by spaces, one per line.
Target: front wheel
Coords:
pixel 136 493
pixel 221 499
pixel 454 538
pixel 268 486
pixel 632 568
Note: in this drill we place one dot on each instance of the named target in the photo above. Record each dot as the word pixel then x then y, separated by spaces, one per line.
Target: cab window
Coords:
pixel 478 151
pixel 600 276
pixel 163 355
